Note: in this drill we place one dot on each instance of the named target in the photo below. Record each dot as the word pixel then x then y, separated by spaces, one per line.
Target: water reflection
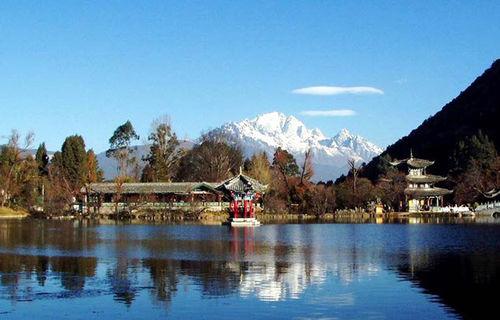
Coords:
pixel 466 284
pixel 453 269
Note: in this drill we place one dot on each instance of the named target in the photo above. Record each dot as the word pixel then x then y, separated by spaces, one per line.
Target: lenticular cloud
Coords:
pixel 331 90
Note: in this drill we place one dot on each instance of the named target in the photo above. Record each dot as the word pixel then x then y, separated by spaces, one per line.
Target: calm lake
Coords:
pixel 82 270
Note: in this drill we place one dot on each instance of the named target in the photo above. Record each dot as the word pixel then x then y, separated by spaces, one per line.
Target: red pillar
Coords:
pixel 235 208
pixel 245 209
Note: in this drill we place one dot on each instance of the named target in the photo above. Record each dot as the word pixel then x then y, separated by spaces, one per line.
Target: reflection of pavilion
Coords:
pixel 421 194
pixel 242 241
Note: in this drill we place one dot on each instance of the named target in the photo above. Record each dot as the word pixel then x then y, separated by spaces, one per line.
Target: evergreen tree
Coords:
pixel 476 168
pixel 477 149
pixel 42 159
pixel 74 161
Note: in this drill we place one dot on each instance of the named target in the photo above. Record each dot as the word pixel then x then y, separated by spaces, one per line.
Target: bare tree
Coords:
pixel 120 147
pixel 12 157
pixel 354 170
pixel 307 167
pixel 164 153
pixel 214 159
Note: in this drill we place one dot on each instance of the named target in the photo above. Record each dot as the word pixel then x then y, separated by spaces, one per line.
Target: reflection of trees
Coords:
pixel 73 270
pixel 164 276
pixel 468 283
pixel 280 263
pixel 122 277
pixel 121 283
pixel 216 278
pixel 41 269
pixel 63 235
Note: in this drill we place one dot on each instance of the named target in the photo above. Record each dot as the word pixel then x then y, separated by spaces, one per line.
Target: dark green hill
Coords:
pixel 475 109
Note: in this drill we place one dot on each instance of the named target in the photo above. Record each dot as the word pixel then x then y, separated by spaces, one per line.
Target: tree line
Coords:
pixel 39 182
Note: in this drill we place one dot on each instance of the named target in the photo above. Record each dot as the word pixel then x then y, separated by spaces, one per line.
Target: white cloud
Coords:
pixel 329 113
pixel 331 91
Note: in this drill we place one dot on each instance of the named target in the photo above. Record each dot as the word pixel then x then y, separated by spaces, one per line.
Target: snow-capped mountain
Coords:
pixel 268 131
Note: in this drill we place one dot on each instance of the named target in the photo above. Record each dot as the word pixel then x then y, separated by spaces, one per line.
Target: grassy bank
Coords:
pixel 11 213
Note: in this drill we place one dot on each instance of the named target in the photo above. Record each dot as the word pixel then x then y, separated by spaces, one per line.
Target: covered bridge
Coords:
pixel 104 197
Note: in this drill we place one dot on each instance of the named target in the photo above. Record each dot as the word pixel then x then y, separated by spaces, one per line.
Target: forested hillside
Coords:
pixel 442 137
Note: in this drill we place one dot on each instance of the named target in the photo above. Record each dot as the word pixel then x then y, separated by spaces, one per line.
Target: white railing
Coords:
pixel 488 205
pixel 454 209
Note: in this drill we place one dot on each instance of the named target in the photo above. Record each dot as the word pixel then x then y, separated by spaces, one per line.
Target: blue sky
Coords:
pixel 71 67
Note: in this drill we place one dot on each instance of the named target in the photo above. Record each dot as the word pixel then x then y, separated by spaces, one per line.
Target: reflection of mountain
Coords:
pixel 279 282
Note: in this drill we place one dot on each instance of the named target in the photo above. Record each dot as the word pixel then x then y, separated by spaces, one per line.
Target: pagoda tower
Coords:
pixel 421 194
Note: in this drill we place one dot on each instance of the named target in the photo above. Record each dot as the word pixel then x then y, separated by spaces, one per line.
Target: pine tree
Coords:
pixel 42 159
pixel 74 161
pixel 476 150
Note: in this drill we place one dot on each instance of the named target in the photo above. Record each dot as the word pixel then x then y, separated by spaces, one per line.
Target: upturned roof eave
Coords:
pixel 427 192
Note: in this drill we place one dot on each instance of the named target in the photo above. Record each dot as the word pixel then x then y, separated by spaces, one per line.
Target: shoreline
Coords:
pixel 219 218
pixel 8 213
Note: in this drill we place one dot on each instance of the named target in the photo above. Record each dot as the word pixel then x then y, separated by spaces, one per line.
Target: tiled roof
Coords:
pixel 151 187
pixel 413 162
pixel 427 192
pixel 242 183
pixel 429 178
pixel 239 183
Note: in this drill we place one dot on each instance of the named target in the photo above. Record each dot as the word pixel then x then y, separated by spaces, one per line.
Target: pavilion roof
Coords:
pixel 427 192
pixel 413 162
pixel 428 178
pixel 493 193
pixel 242 183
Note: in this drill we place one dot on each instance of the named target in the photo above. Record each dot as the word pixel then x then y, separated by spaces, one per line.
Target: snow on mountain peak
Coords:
pixel 343 135
pixel 279 123
pixel 268 131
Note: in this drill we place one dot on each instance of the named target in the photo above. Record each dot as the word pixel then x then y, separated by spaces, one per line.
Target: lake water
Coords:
pixel 82 270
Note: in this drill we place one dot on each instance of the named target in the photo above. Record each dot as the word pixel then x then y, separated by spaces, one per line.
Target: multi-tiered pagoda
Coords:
pixel 421 194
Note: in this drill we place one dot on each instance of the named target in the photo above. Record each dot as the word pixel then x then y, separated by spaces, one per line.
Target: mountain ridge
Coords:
pixel 268 131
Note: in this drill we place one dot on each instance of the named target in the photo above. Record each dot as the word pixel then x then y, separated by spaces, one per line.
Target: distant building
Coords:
pixel 421 194
pixel 240 194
